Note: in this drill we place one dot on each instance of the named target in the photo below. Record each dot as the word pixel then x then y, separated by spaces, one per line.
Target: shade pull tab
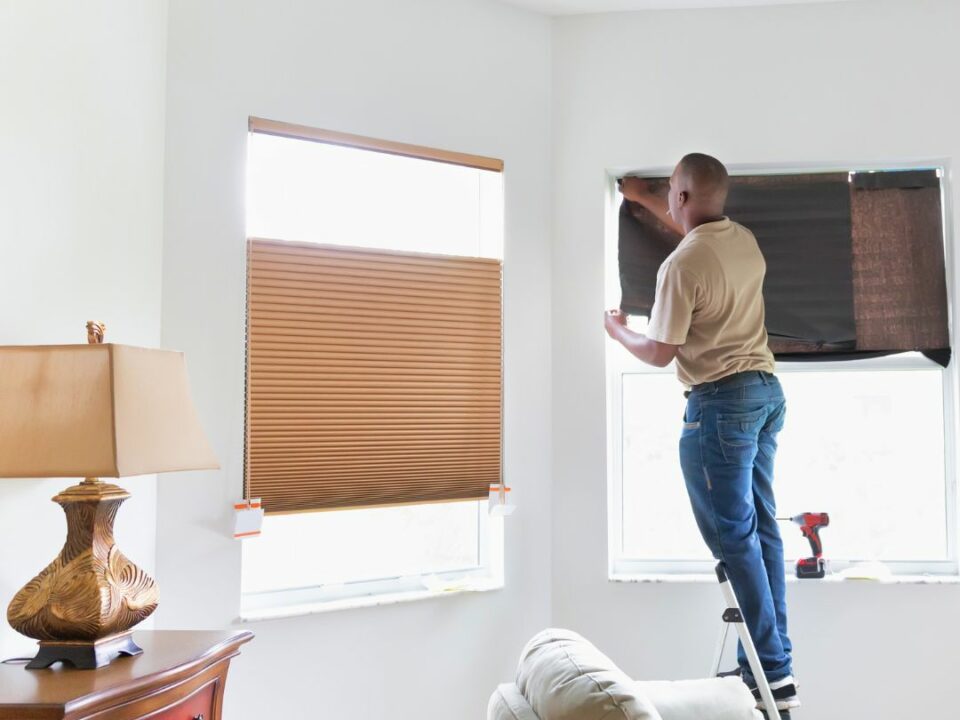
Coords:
pixel 248 518
pixel 498 505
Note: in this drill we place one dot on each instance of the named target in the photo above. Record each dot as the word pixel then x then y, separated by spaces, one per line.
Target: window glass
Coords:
pixel 867 446
pixel 329 548
pixel 315 192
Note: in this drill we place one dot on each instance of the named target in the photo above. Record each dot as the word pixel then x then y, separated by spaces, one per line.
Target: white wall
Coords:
pixel 466 75
pixel 81 207
pixel 858 81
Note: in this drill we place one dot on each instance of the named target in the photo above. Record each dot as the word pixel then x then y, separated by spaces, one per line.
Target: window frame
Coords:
pixel 489 573
pixel 621 567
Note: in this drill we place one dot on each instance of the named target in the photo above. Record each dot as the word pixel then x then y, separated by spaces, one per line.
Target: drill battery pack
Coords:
pixel 811 568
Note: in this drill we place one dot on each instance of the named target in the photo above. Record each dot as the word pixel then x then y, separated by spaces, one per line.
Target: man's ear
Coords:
pixel 682 198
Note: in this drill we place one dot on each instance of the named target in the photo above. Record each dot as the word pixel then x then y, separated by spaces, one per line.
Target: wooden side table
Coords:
pixel 180 676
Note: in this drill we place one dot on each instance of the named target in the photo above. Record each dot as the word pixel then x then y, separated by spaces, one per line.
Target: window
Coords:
pixel 363 204
pixel 868 440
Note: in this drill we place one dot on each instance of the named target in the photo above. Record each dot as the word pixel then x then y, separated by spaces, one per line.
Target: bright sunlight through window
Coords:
pixel 874 461
pixel 309 191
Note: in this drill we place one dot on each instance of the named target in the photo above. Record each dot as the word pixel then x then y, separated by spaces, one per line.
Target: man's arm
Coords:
pixel 649 351
pixel 637 190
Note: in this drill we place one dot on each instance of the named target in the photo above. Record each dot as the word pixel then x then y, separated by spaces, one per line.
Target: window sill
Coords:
pixel 703 578
pixel 363 601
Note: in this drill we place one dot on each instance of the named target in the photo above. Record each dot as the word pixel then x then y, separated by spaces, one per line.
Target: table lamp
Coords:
pixel 92 411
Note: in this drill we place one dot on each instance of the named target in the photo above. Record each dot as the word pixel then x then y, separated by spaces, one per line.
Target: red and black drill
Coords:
pixel 810 524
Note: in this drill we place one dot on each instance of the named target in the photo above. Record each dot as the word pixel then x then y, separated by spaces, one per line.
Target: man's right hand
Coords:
pixel 613 320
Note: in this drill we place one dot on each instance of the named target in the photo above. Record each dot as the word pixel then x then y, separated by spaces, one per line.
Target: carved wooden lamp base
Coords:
pixel 82 606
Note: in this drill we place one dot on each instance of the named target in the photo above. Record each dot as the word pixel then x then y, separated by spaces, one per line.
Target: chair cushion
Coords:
pixel 715 698
pixel 564 677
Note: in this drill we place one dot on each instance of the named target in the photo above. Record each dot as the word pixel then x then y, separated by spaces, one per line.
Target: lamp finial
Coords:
pixel 95 332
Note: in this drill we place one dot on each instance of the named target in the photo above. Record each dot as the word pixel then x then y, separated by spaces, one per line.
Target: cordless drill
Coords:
pixel 810 524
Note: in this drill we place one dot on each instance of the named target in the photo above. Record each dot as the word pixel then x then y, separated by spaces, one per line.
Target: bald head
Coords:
pixel 698 189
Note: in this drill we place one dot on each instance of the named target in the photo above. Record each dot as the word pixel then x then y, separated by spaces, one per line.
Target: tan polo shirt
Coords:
pixel 709 302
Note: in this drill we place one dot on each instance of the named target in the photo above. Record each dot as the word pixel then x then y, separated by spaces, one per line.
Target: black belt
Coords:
pixel 728 378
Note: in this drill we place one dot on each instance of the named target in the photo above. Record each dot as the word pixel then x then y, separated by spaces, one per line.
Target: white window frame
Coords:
pixel 624 568
pixel 489 573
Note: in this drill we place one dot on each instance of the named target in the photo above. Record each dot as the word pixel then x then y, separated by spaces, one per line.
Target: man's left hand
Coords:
pixel 635 189
pixel 612 320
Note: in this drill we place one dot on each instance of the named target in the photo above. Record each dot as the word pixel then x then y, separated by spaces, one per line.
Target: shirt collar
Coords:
pixel 714 226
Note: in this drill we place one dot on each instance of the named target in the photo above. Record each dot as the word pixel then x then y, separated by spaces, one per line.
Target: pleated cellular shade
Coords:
pixel 373 378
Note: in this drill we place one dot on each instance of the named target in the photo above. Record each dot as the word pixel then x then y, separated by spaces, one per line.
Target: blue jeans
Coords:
pixel 727 448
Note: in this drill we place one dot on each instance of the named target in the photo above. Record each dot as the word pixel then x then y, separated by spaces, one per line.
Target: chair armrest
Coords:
pixel 508 703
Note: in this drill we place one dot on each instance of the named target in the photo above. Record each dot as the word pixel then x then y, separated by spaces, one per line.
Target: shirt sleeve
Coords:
pixel 673 305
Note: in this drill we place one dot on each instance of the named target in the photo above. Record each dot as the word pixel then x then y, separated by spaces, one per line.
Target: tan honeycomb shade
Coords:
pixel 374 377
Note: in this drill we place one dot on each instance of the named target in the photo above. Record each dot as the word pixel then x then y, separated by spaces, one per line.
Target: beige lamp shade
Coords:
pixel 97 411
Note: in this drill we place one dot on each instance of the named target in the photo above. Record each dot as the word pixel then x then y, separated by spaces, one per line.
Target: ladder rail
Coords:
pixel 735 616
pixel 718 656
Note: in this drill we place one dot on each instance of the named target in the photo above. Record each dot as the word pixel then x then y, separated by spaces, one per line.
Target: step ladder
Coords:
pixel 733 616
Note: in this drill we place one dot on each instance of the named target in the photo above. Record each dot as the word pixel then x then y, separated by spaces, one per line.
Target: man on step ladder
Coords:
pixel 708 315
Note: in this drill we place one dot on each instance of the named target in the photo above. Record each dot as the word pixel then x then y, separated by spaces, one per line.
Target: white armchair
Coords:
pixel 561 676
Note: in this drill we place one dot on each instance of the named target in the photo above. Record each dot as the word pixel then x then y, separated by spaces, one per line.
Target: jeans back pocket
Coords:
pixel 739 433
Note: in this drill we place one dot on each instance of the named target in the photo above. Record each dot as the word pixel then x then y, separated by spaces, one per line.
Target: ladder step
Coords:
pixel 732 615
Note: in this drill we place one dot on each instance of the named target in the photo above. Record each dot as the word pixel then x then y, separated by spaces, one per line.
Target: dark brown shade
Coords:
pixel 899 281
pixel 374 378
pixel 855 262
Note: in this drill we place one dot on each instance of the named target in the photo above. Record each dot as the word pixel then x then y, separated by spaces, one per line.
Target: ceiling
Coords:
pixel 577 7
